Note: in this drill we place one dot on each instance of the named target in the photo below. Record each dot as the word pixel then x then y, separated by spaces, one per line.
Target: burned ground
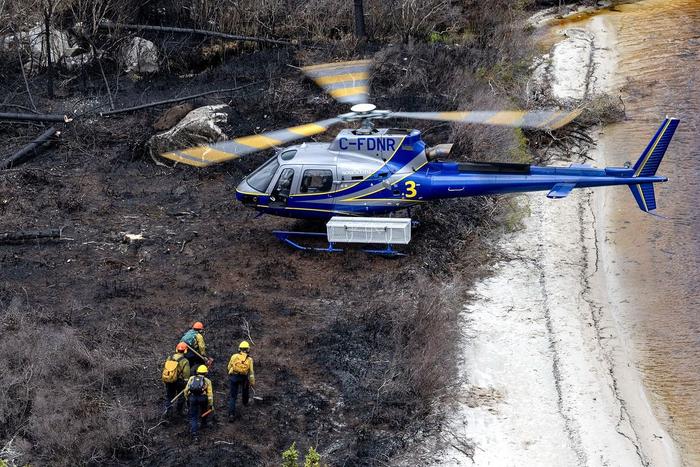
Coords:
pixel 351 351
pixel 110 311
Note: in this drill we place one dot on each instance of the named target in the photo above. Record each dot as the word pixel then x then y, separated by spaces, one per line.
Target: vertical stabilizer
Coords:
pixel 649 161
pixel 648 164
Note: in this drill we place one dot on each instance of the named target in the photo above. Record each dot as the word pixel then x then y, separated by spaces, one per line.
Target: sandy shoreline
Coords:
pixel 548 378
pixel 545 365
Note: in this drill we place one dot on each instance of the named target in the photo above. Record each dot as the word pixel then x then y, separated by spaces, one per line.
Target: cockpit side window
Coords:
pixel 261 178
pixel 316 181
pixel 284 184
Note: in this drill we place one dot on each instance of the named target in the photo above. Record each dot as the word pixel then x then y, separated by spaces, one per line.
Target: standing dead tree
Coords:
pixel 360 29
pixel 48 7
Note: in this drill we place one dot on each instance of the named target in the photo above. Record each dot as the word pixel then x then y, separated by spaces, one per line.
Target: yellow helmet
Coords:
pixel 202 370
pixel 244 345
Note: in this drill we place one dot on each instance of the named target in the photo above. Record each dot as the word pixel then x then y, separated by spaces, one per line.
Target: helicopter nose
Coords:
pixel 246 194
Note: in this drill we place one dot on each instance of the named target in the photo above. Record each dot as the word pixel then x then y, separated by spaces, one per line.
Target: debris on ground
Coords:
pixel 198 127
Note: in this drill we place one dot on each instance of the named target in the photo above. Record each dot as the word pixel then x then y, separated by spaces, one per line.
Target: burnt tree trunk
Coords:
pixel 48 12
pixel 29 151
pixel 35 117
pixel 28 235
pixel 233 37
pixel 360 30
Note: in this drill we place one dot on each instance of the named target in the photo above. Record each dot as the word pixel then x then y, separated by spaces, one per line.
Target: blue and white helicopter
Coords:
pixel 371 171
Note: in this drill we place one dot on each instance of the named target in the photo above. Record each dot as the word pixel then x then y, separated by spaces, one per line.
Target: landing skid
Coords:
pixel 286 236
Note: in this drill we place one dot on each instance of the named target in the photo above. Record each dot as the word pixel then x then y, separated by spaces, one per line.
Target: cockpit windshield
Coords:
pixel 260 179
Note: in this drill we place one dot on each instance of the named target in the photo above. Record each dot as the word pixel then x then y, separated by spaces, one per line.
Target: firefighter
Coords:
pixel 200 397
pixel 176 373
pixel 241 376
pixel 196 348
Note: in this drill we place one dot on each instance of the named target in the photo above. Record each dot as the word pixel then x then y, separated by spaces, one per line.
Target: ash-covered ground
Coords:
pixel 352 352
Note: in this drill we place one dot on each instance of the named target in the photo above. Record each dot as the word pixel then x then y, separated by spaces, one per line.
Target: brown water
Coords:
pixel 654 262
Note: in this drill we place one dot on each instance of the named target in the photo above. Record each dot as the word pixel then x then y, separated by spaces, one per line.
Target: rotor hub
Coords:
pixel 364 113
pixel 363 108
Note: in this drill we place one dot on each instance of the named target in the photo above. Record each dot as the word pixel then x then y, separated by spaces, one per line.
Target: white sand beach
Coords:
pixel 547 376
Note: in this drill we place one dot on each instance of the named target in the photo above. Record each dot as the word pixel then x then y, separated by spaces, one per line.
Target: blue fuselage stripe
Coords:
pixel 436 180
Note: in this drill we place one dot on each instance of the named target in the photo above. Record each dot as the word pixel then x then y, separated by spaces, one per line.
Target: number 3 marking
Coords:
pixel 411 189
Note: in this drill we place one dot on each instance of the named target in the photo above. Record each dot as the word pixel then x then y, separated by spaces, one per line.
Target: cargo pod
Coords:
pixel 383 231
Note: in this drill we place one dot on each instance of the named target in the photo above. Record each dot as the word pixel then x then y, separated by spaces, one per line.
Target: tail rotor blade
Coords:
pixel 549 120
pixel 202 156
pixel 346 82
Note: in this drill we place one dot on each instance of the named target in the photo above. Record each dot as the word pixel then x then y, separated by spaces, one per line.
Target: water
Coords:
pixel 654 262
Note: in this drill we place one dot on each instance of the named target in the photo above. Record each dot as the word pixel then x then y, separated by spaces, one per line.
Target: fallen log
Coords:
pixel 28 235
pixel 202 32
pixel 35 117
pixel 178 99
pixel 29 151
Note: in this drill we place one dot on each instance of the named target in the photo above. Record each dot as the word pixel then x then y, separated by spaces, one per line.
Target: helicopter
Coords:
pixel 368 171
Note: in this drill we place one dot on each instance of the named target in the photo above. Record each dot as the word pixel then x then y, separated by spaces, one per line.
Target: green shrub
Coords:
pixel 290 456
pixel 313 459
pixel 435 37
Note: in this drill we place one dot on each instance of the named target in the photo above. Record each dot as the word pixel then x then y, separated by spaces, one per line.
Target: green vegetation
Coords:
pixel 520 151
pixel 312 459
pixel 290 457
pixel 436 37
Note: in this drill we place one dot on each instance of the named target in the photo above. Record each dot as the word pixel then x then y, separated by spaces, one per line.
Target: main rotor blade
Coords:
pixel 549 120
pixel 202 156
pixel 347 82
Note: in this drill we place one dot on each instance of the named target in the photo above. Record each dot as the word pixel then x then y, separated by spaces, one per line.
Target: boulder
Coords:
pixel 140 56
pixel 199 127
pixel 33 42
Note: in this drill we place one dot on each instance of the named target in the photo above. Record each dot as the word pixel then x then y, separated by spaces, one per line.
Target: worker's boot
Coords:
pixel 231 418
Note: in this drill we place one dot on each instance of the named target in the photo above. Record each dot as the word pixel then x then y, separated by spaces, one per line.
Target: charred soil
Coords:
pixel 351 351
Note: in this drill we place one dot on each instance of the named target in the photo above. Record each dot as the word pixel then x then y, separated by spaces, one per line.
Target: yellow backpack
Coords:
pixel 170 372
pixel 241 364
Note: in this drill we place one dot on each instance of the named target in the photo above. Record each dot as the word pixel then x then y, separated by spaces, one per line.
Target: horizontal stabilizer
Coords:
pixel 560 190
pixel 644 195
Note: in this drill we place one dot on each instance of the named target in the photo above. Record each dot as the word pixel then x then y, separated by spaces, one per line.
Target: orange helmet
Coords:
pixel 198 326
pixel 181 347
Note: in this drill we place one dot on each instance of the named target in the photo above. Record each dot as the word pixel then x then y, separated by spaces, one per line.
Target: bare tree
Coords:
pixel 360 30
pixel 48 7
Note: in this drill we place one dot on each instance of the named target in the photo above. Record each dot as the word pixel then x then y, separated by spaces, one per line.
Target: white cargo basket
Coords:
pixel 384 230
